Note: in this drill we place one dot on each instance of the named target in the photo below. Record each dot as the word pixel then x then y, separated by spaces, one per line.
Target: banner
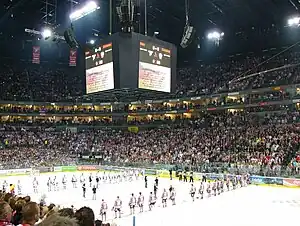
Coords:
pixel 290 182
pixel 150 172
pixel 133 129
pixel 68 168
pixel 57 169
pixel 266 180
pixel 15 172
pixel 73 58
pixel 88 168
pixel 44 169
pixel 36 54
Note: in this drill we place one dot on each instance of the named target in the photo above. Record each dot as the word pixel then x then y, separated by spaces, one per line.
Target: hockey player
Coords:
pixel 234 183
pixel 173 196
pixel 152 201
pixel 82 179
pixel 94 189
pixel 74 181
pixel 117 207
pixel 156 181
pixel 155 190
pixel 218 187
pixel 83 190
pixel 103 210
pixel 97 181
pixel 56 185
pixel 54 182
pixel 141 202
pixel 191 177
pixel 64 182
pixel 227 184
pixel 208 189
pixel 180 176
pixel 4 186
pixel 49 184
pixel 184 176
pixel 90 180
pixel 19 187
pixel 214 188
pixel 146 182
pixel 222 186
pixel 132 203
pixel 201 190
pixel 164 198
pixel 35 185
pixel 192 192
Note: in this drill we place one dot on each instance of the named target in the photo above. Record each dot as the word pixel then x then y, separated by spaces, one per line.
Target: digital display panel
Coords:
pixel 99 69
pixel 154 67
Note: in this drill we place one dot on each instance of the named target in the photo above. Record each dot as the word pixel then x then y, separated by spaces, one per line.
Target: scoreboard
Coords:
pixel 154 67
pixel 131 61
pixel 99 69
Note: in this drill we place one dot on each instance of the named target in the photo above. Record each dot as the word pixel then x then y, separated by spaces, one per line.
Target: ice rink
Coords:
pixel 252 205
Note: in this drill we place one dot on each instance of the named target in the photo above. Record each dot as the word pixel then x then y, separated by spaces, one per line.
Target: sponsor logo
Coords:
pixel 88 168
pixel 257 180
pixel 292 182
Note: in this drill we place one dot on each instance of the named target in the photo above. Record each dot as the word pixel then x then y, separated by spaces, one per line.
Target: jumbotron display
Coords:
pixel 99 69
pixel 154 67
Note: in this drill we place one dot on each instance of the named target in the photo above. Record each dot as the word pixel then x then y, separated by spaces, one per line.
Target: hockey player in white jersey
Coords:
pixel 173 196
pixel 141 202
pixel 74 181
pixel 64 182
pixel 132 203
pixel 192 192
pixel 82 179
pixel 35 185
pixel 117 207
pixel 152 201
pixel 49 184
pixel 201 190
pixel 164 198
pixel 4 186
pixel 103 210
pixel 54 182
pixel 214 188
pixel 19 188
pixel 208 189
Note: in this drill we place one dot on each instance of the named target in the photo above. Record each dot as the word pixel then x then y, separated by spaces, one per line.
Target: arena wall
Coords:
pixel 256 180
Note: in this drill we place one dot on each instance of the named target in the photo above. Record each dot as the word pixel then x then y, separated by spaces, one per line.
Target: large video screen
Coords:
pixel 154 67
pixel 99 69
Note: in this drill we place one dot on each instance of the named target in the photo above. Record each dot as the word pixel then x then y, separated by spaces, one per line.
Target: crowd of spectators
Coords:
pixel 16 210
pixel 223 138
pixel 22 81
pixel 241 139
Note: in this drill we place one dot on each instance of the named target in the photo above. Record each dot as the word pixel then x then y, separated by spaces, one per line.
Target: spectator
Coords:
pixel 5 214
pixel 66 212
pixel 30 213
pixel 16 219
pixel 85 216
pixel 58 220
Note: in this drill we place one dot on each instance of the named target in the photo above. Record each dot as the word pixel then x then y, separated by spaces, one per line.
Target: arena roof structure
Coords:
pixel 234 17
pixel 247 25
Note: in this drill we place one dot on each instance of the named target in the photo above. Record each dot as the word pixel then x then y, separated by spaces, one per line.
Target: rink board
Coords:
pixel 255 180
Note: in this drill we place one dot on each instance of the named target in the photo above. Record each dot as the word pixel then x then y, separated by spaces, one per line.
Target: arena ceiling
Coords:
pixel 166 16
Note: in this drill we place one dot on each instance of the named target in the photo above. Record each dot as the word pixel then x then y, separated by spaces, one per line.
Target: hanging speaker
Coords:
pixel 188 35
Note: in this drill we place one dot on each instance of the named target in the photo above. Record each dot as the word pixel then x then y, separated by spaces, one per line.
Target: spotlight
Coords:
pixel 215 35
pixel 295 21
pixel 47 33
pixel 92 42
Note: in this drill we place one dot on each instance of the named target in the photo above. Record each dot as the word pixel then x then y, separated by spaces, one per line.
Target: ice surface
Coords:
pixel 253 205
